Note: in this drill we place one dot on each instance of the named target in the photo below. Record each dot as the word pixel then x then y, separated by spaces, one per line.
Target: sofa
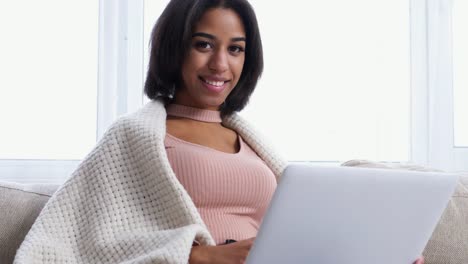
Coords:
pixel 20 204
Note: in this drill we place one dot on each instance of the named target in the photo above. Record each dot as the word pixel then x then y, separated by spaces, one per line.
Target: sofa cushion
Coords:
pixel 449 241
pixel 19 207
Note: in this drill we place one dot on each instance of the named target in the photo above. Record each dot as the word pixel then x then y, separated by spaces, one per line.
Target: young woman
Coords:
pixel 184 179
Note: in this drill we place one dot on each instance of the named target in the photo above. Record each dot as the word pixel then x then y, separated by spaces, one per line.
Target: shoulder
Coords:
pixel 148 119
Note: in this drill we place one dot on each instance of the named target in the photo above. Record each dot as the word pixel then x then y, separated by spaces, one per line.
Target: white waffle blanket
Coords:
pixel 124 204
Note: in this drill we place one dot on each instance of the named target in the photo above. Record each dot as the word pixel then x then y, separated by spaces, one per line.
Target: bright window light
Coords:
pixel 48 86
pixel 336 79
pixel 460 76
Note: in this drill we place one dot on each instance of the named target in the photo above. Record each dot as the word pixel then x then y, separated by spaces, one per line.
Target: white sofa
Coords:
pixel 20 205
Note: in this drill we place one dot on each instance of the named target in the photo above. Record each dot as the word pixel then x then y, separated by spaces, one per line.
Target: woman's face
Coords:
pixel 215 60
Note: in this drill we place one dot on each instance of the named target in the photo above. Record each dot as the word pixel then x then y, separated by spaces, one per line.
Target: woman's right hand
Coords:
pixel 224 254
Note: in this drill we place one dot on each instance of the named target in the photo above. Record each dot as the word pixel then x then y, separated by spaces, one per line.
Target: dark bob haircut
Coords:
pixel 171 39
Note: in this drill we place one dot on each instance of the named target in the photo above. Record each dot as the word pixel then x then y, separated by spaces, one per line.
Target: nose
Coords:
pixel 219 61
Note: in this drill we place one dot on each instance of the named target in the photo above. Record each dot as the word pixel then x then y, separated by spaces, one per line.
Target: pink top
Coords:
pixel 230 191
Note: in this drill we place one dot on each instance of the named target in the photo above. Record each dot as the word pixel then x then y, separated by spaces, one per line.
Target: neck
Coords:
pixel 203 115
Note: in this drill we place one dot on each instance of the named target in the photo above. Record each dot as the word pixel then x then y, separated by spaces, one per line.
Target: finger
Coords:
pixel 247 241
pixel 419 261
pixel 251 241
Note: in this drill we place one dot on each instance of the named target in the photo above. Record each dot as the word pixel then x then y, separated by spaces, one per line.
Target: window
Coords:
pixel 49 79
pixel 336 80
pixel 48 94
pixel 368 79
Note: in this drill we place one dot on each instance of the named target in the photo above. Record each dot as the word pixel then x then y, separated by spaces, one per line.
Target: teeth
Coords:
pixel 214 83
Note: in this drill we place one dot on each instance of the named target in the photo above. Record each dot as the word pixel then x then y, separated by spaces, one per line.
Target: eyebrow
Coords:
pixel 209 36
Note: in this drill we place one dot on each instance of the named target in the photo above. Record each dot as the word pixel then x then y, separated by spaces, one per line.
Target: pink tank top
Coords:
pixel 230 191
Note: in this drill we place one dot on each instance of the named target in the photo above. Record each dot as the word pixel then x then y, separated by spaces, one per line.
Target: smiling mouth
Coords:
pixel 213 82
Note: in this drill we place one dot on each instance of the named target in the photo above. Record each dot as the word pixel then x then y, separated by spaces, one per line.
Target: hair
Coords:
pixel 170 43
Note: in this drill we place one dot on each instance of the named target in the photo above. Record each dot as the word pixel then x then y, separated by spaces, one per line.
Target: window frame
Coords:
pixel 432 104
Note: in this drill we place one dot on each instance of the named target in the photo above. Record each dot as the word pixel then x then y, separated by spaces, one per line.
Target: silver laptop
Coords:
pixel 336 215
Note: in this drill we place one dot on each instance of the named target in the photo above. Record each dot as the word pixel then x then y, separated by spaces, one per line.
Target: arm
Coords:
pixel 111 211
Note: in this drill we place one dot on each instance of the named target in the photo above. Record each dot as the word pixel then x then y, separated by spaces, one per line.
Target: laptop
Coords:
pixel 332 215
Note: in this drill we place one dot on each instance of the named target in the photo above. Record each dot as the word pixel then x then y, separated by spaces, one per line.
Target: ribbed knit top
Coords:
pixel 230 191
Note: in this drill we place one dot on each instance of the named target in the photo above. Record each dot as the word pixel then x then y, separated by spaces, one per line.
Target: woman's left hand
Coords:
pixel 419 261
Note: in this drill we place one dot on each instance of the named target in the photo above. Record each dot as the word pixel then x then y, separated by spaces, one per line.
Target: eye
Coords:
pixel 236 49
pixel 203 45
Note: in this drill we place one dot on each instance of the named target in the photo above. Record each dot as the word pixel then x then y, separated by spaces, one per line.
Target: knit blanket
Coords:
pixel 124 203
